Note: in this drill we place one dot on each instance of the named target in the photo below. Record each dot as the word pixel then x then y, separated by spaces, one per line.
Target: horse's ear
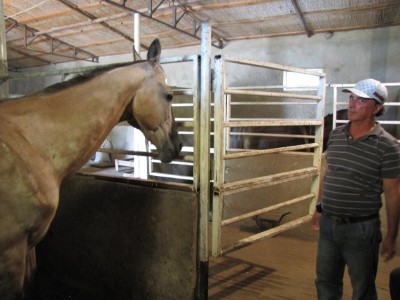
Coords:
pixel 153 55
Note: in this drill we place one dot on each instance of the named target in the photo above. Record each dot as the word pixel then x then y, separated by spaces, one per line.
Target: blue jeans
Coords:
pixel 355 245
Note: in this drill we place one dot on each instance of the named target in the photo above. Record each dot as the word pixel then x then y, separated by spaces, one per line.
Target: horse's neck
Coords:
pixel 68 126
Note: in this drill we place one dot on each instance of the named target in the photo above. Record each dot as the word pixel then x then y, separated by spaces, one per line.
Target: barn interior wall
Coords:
pixel 346 57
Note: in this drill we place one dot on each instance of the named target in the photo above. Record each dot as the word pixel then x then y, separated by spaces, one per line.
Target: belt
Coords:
pixel 343 220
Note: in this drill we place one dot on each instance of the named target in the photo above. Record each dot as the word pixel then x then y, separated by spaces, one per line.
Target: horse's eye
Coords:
pixel 169 97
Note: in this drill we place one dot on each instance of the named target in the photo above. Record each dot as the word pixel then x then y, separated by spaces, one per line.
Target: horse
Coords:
pixel 52 133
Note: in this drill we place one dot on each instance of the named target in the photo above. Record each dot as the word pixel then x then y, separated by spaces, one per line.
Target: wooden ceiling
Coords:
pixel 42 32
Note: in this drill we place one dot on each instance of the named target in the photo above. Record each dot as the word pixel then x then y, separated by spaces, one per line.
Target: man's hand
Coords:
pixel 315 221
pixel 388 249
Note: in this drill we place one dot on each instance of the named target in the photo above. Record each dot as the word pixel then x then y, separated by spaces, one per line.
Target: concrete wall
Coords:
pixel 114 240
pixel 347 57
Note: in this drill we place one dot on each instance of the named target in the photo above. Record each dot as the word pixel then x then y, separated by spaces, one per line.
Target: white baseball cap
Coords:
pixel 369 88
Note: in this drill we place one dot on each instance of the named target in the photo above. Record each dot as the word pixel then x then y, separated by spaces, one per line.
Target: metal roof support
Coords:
pixel 81 24
pixel 92 17
pixel 92 57
pixel 300 15
pixel 31 56
pixel 150 7
pixel 158 5
pixel 216 36
pixel 175 20
pixel 3 55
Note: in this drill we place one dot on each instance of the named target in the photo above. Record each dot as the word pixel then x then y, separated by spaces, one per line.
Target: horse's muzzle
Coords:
pixel 171 151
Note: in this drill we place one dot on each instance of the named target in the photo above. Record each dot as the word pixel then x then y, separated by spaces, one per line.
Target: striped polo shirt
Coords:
pixel 354 180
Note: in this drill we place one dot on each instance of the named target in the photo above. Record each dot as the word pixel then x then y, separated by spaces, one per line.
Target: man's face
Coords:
pixel 362 108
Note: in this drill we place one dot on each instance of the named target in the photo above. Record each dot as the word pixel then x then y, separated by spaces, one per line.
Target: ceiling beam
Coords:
pixel 218 38
pixel 51 40
pixel 28 56
pixel 92 17
pixel 196 6
pixel 64 12
pixel 83 24
pixel 301 17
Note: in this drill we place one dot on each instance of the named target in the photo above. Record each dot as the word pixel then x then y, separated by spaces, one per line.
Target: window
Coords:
pixel 300 82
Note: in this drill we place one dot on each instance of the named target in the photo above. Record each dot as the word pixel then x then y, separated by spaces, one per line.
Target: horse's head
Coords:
pixel 152 109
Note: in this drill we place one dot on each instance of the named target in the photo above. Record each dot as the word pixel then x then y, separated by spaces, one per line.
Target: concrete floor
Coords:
pixel 275 269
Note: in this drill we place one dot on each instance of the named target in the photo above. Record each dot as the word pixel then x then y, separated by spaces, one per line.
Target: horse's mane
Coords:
pixel 84 77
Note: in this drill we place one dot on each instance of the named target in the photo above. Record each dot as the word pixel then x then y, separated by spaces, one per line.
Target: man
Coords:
pixel 363 161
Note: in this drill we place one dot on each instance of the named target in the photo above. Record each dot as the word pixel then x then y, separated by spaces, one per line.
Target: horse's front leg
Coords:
pixel 12 269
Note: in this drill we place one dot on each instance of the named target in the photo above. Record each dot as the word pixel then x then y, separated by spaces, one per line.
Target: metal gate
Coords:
pixel 232 107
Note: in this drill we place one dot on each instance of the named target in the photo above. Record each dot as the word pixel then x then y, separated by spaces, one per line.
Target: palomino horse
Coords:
pixel 50 134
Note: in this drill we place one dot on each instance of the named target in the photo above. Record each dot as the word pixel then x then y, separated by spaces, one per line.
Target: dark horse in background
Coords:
pixel 248 138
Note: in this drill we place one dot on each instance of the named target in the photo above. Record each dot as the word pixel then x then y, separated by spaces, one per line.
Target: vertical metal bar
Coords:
pixel 219 111
pixel 228 114
pixel 136 37
pixel 150 7
pixel 174 16
pixel 194 27
pixel 334 107
pixel 197 125
pixel 319 131
pixel 204 157
pixel 4 90
pixel 141 163
pixel 218 154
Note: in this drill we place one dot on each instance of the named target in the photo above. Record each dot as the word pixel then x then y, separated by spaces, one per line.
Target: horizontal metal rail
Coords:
pixel 249 152
pixel 272 94
pixel 268 233
pixel 386 103
pixel 264 181
pixel 245 103
pixel 270 122
pixel 387 122
pixel 167 175
pixel 273 66
pixel 266 209
pixel 282 135
pixel 139 153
